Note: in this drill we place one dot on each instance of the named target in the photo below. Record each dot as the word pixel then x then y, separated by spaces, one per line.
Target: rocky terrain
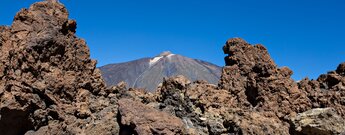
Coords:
pixel 49 85
pixel 148 73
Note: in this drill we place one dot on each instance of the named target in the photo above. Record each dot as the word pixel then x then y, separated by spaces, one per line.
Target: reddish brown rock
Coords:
pixel 252 123
pixel 144 120
pixel 48 80
pixel 49 85
pixel 205 109
pixel 327 91
pixel 251 85
pixel 257 83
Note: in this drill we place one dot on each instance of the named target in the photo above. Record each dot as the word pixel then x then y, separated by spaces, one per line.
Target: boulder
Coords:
pixel 137 118
pixel 318 121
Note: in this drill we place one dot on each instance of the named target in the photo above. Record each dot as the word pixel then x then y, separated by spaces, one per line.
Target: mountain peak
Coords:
pixel 165 53
pixel 148 73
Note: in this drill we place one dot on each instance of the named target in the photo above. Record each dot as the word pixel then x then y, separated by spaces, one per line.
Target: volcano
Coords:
pixel 148 73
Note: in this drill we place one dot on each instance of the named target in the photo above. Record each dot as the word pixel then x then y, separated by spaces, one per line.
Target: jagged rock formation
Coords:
pixel 254 96
pixel 48 82
pixel 328 90
pixel 256 82
pixel 49 85
pixel 148 73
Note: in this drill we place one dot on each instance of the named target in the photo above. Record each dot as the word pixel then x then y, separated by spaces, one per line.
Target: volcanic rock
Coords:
pixel 255 80
pixel 254 96
pixel 327 91
pixel 144 120
pixel 48 82
pixel 208 110
pixel 49 85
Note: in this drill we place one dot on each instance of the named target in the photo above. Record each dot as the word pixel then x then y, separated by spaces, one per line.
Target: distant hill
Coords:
pixel 148 73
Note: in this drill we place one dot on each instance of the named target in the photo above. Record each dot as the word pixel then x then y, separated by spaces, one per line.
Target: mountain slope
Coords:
pixel 148 73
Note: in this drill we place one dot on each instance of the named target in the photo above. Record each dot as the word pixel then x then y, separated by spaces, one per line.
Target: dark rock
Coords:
pixel 341 69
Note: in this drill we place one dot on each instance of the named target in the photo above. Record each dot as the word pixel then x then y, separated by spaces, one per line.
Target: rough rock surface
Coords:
pixel 319 121
pixel 48 82
pixel 328 90
pixel 254 96
pixel 146 120
pixel 255 80
pixel 49 85
pixel 209 110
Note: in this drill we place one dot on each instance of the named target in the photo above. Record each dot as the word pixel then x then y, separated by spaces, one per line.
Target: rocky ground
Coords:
pixel 49 85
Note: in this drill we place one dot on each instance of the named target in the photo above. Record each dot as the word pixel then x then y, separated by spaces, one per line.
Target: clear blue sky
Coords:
pixel 306 35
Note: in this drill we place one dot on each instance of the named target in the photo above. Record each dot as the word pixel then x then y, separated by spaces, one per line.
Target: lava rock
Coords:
pixel 143 120
pixel 48 83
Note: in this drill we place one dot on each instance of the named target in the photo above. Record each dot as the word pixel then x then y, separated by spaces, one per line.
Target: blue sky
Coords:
pixel 306 35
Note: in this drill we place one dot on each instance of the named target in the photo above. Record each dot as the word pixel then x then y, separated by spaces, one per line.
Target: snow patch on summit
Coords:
pixel 166 54
pixel 170 55
pixel 155 60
